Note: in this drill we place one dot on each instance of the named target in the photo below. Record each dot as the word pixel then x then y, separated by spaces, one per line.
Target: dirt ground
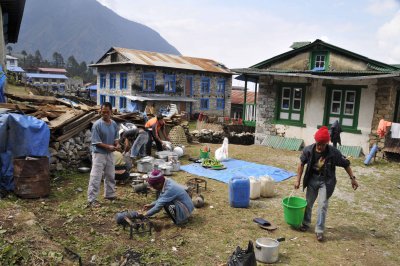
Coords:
pixel 363 226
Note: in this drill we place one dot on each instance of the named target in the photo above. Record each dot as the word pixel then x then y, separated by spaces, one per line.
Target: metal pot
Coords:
pixel 145 165
pixel 267 249
pixel 166 169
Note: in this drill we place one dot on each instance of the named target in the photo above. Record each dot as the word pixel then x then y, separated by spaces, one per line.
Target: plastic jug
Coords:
pixel 239 192
pixel 255 188
pixel 267 186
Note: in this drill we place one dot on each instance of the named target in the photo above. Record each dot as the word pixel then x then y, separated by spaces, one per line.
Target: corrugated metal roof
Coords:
pixel 56 70
pixel 44 75
pixel 15 69
pixel 147 58
pixel 278 142
pixel 237 97
pixel 141 98
pixel 353 151
pixel 11 57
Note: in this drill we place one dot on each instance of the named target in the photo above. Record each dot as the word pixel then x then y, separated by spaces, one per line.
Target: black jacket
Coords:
pixel 333 158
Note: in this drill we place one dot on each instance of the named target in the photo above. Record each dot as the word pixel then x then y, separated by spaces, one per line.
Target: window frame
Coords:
pixel 289 110
pixel 314 61
pixel 344 89
pixel 169 81
pixel 191 79
pixel 218 104
pixel 113 81
pixel 221 91
pixel 123 81
pixel 103 80
pixel 205 81
pixel 111 99
pixel 122 100
pixel 207 100
pixel 102 99
pixel 150 77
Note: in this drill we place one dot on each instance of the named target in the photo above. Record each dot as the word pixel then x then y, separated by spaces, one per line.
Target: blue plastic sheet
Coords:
pixel 2 83
pixel 238 168
pixel 20 135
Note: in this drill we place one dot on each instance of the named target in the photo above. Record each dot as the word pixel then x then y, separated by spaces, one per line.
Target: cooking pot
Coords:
pixel 267 249
pixel 166 169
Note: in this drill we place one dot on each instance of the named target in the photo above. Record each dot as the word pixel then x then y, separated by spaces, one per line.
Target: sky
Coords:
pixel 242 33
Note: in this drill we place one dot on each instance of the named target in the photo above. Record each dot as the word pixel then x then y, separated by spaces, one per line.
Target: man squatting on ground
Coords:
pixel 104 143
pixel 173 198
pixel 320 177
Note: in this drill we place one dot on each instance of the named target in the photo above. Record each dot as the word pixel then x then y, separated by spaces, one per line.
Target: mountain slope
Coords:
pixel 83 28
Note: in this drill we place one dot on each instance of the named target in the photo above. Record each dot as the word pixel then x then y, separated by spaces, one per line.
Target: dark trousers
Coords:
pixel 149 143
pixel 170 210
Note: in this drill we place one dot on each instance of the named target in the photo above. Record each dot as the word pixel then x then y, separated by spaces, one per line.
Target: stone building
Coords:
pixel 318 83
pixel 131 79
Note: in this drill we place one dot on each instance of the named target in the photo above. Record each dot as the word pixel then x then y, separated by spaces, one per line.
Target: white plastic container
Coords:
pixel 255 187
pixel 267 187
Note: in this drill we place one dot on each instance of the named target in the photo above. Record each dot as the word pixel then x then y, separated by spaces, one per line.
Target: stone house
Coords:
pixel 131 79
pixel 318 83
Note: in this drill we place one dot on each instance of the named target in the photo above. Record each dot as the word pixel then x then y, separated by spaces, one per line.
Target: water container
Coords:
pixel 255 188
pixel 267 186
pixel 239 192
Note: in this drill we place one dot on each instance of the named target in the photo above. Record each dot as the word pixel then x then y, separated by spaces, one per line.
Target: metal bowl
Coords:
pixel 84 169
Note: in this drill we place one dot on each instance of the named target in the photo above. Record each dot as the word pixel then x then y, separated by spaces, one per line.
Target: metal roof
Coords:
pixel 55 70
pixel 11 57
pixel 353 151
pixel 237 97
pixel 15 69
pixel 278 142
pixel 92 87
pixel 139 57
pixel 44 75
pixel 141 98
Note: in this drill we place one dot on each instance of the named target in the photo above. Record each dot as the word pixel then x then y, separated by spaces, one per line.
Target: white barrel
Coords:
pixel 255 187
pixel 267 186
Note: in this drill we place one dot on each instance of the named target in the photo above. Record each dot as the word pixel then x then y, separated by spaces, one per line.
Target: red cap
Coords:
pixel 322 135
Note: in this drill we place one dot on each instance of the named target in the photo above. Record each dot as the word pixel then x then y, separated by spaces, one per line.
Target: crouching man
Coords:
pixel 173 198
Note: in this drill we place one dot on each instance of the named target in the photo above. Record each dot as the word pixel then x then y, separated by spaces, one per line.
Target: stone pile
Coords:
pixel 209 136
pixel 71 153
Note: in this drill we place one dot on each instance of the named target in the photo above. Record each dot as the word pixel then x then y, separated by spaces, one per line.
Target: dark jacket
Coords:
pixel 333 158
pixel 335 132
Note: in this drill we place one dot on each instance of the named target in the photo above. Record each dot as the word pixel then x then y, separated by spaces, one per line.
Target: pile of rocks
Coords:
pixel 69 154
pixel 209 136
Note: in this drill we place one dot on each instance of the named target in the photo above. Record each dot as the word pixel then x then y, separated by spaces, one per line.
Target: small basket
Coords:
pixel 204 154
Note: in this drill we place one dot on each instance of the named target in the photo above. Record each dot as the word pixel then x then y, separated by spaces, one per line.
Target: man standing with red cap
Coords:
pixel 320 177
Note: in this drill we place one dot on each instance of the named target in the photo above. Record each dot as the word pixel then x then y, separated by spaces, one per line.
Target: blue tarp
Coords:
pixel 2 83
pixel 20 135
pixel 238 168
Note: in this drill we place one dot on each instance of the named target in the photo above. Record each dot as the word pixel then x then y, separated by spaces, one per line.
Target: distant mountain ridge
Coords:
pixel 82 28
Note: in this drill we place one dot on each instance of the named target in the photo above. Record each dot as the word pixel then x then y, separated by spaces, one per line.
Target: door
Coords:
pixel 189 86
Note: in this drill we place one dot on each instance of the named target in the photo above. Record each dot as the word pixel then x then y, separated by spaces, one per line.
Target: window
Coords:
pixel 112 101
pixel 221 87
pixel 205 86
pixel 343 105
pixel 102 99
pixel 319 61
pixel 122 102
pixel 169 83
pixel 45 80
pixel 112 80
pixel 102 80
pixel 204 104
pixel 148 82
pixel 122 81
pixel 220 104
pixel 189 86
pixel 291 104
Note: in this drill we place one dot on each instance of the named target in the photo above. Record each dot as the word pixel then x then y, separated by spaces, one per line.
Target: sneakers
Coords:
pixel 93 204
pixel 320 237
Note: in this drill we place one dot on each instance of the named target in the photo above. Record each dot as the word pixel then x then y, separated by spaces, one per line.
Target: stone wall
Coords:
pixel 384 107
pixel 71 153
pixel 265 109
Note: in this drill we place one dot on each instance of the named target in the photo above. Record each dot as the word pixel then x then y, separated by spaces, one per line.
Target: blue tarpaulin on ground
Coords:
pixel 238 168
pixel 20 135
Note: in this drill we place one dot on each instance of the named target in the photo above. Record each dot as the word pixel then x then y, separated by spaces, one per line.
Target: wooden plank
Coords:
pixel 75 123
pixel 63 119
pixel 73 132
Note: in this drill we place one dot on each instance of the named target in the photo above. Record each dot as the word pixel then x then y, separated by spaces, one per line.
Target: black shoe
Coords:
pixel 304 228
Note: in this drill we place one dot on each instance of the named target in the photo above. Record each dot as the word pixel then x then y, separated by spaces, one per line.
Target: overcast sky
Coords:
pixel 243 33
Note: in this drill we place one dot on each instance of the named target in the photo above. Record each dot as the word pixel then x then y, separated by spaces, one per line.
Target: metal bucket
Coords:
pixel 31 177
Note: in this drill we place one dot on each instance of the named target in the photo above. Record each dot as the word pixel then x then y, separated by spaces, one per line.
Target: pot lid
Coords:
pixel 267 242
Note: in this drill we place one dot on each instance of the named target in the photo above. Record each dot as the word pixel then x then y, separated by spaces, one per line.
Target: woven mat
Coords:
pixel 178 136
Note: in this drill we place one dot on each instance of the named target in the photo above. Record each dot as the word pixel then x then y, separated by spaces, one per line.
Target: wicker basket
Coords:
pixel 178 136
